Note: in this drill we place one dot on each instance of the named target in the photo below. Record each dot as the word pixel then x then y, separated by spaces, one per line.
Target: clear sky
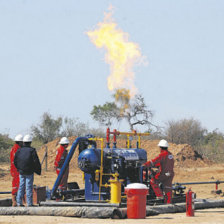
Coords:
pixel 49 64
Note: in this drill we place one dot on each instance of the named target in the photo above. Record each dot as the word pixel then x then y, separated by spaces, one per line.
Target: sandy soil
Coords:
pixel 207 173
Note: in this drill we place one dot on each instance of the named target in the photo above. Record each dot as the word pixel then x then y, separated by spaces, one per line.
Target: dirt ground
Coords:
pixel 189 167
pixel 207 173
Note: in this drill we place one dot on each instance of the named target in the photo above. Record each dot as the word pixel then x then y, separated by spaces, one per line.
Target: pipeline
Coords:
pixel 204 182
pixel 79 204
pixel 66 163
pixel 121 213
pixel 107 212
pixel 82 212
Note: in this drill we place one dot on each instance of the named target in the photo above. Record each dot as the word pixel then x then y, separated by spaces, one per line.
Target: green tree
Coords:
pixel 48 129
pixel 212 146
pixel 5 145
pixel 134 111
pixel 106 114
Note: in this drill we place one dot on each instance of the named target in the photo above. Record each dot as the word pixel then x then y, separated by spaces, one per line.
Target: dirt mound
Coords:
pixel 184 155
pixel 188 157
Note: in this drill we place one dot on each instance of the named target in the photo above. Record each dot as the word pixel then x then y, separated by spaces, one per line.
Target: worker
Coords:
pixel 162 181
pixel 27 163
pixel 59 161
pixel 14 173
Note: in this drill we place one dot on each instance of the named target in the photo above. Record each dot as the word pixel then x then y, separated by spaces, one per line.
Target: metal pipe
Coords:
pixel 108 138
pixel 66 164
pixel 78 204
pixel 134 133
pixel 101 164
pixel 205 182
pixel 101 169
pixel 46 157
pixel 115 139
pixel 74 192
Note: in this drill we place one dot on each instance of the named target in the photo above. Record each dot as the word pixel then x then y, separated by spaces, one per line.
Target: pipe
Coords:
pixel 77 204
pixel 205 182
pixel 115 139
pixel 108 138
pixel 107 212
pixel 66 164
pixel 121 213
pixel 74 192
pixel 84 212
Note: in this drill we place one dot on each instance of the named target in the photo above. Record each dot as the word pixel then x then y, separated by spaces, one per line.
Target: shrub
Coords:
pixel 5 145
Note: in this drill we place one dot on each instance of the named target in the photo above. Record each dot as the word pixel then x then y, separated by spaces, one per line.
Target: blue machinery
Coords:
pixel 106 170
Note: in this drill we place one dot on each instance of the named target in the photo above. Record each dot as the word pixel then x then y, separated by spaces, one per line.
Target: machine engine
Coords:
pixel 126 163
pixel 107 171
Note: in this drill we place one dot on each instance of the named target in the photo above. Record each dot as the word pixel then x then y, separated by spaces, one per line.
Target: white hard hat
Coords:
pixel 64 141
pixel 18 138
pixel 163 143
pixel 27 138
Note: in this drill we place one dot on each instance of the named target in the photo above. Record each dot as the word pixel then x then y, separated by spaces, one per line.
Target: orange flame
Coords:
pixel 121 54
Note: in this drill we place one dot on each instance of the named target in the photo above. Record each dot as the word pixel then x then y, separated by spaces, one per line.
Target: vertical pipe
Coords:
pixel 139 141
pixel 46 154
pixel 108 138
pixel 128 140
pixel 115 138
pixel 101 169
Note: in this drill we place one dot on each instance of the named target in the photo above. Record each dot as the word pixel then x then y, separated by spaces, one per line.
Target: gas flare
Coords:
pixel 121 54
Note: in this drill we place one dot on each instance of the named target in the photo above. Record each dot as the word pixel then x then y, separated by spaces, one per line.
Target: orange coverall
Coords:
pixel 13 170
pixel 59 161
pixel 165 162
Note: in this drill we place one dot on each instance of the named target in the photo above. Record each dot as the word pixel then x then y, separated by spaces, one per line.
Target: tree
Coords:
pixel 134 111
pixel 106 114
pixel 48 129
pixel 214 138
pixel 73 127
pixel 212 146
pixel 185 131
pixel 5 144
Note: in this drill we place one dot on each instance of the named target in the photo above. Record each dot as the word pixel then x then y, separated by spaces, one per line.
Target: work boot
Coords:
pixel 14 203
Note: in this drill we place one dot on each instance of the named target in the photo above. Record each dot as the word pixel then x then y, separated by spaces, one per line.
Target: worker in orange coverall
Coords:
pixel 59 161
pixel 165 161
pixel 14 173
